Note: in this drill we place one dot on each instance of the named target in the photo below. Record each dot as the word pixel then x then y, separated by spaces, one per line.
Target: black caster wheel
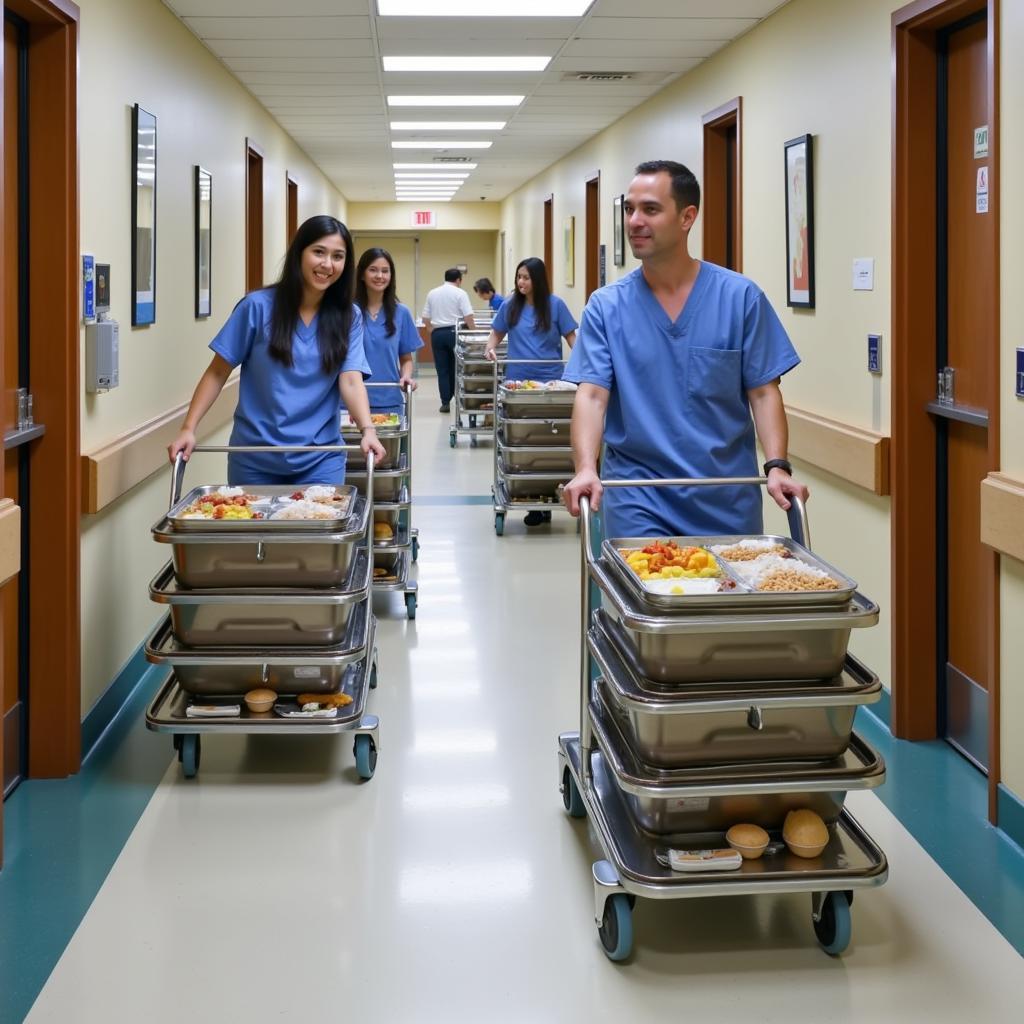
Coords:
pixel 415 549
pixel 616 931
pixel 451 439
pixel 191 754
pixel 834 927
pixel 373 678
pixel 571 797
pixel 410 605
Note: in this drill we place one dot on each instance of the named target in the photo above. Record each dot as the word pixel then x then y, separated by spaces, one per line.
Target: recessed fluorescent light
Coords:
pixel 426 199
pixel 434 166
pixel 455 101
pixel 428 176
pixel 447 126
pixel 465 63
pixel 493 9
pixel 450 144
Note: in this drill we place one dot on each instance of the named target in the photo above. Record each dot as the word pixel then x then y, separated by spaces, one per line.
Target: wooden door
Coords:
pixel 292 212
pixel 964 343
pixel 592 241
pixel 549 214
pixel 721 206
pixel 253 216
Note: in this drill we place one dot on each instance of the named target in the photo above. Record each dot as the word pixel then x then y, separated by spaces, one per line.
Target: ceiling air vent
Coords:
pixel 452 159
pixel 597 76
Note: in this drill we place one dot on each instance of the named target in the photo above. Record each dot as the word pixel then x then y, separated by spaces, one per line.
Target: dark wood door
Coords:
pixel 549 214
pixel 721 205
pixel 965 340
pixel 13 366
pixel 253 218
pixel 593 237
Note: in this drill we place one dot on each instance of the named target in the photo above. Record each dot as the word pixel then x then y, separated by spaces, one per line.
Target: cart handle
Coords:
pixel 799 528
pixel 180 462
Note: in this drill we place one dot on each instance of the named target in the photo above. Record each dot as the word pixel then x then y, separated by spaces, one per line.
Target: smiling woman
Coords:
pixel 300 347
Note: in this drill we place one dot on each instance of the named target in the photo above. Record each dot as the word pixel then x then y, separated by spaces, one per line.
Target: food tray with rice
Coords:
pixel 529 399
pixel 742 573
pixel 392 429
pixel 218 508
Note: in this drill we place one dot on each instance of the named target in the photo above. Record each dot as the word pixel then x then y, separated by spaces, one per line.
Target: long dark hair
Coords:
pixel 334 317
pixel 541 296
pixel 390 302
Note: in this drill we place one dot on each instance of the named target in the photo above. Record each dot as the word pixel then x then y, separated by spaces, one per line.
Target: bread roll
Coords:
pixel 805 833
pixel 382 531
pixel 749 840
pixel 260 699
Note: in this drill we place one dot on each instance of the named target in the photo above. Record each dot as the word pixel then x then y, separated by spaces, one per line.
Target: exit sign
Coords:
pixel 424 219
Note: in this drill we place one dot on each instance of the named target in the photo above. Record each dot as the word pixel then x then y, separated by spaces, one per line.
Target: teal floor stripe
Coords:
pixel 452 499
pixel 943 802
pixel 61 838
pixel 1011 814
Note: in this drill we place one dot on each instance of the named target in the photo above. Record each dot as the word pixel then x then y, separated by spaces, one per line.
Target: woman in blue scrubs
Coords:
pixel 536 321
pixel 485 290
pixel 300 346
pixel 390 335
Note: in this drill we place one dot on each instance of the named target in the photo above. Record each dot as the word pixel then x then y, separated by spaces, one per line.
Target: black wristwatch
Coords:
pixel 777 464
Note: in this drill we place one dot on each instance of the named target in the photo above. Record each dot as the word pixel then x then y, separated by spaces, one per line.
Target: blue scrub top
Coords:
pixel 525 341
pixel 495 301
pixel 383 352
pixel 678 399
pixel 280 405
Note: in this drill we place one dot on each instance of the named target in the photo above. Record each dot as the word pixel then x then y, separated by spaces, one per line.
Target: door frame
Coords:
pixel 913 470
pixel 291 215
pixel 592 234
pixel 254 262
pixel 54 739
pixel 714 208
pixel 549 221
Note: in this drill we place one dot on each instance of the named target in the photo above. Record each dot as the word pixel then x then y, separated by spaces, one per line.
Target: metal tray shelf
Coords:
pixel 223 670
pixel 248 527
pixel 546 433
pixel 536 459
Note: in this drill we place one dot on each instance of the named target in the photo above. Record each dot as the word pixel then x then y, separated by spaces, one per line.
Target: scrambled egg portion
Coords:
pixel 666 561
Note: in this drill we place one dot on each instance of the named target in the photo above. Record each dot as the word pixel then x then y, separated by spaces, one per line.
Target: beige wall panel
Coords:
pixel 369 217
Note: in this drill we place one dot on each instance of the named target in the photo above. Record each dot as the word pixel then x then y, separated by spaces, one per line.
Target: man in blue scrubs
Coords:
pixel 672 361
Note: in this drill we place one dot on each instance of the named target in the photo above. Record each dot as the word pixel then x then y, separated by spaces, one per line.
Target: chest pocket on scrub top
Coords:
pixel 714 373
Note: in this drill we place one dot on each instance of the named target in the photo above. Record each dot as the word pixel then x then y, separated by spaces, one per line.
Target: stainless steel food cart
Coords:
pixel 394 556
pixel 281 604
pixel 671 760
pixel 532 454
pixel 472 403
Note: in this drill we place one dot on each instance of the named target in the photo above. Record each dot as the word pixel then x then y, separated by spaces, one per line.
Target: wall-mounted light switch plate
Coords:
pixel 874 353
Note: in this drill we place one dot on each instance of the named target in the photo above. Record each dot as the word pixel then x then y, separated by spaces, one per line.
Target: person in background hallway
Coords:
pixel 446 305
pixel 390 334
pixel 672 361
pixel 485 290
pixel 300 346
pixel 535 321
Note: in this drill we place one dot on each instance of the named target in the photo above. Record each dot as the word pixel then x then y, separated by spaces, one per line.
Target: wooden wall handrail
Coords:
pixel 858 456
pixel 116 467
pixel 1002 514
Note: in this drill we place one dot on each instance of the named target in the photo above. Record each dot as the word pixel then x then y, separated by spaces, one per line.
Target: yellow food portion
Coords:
pixel 668 561
pixel 226 511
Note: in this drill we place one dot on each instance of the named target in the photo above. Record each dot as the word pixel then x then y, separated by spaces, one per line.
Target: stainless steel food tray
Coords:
pixel 399 541
pixel 223 671
pixel 704 647
pixel 477 384
pixel 260 617
pixel 713 799
pixel 530 485
pixel 297 558
pixel 390 440
pixel 548 433
pixel 520 403
pixel 712 724
pixel 250 526
pixel 744 596
pixel 388 484
pixel 536 460
pixel 851 860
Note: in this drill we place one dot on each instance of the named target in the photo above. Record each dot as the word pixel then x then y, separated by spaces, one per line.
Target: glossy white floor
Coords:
pixel 452 887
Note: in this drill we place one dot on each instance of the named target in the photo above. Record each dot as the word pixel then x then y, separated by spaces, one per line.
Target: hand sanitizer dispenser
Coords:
pixel 101 339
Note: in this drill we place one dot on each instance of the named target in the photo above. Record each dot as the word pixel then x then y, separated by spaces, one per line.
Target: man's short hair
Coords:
pixel 453 275
pixel 685 190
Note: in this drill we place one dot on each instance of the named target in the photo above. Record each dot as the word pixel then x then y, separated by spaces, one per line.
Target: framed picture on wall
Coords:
pixel 143 217
pixel 799 155
pixel 202 187
pixel 570 251
pixel 618 233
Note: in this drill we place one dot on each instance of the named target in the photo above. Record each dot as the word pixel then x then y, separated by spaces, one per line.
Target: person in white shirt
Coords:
pixel 446 305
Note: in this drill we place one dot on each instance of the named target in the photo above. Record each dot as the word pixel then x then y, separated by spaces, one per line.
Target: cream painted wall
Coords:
pixel 364 217
pixel 140 52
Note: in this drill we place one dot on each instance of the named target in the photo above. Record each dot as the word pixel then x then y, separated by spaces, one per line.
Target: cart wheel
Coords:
pixel 499 523
pixel 366 756
pixel 616 931
pixel 472 422
pixel 373 677
pixel 415 548
pixel 473 441
pixel 191 752
pixel 451 439
pixel 571 796
pixel 834 928
pixel 410 605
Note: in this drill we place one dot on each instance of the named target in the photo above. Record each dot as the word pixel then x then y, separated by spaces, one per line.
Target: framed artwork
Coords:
pixel 618 232
pixel 203 193
pixel 143 217
pixel 799 153
pixel 570 251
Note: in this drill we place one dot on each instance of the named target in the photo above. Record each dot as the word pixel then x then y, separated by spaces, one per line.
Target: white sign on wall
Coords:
pixel 424 219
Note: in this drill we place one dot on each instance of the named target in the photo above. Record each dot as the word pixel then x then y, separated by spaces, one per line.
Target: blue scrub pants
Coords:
pixel 247 469
pixel 442 341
